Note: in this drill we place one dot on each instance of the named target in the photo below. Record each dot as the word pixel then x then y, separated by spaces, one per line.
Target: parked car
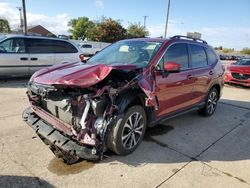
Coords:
pixel 89 50
pixel 23 55
pixel 239 72
pixel 80 110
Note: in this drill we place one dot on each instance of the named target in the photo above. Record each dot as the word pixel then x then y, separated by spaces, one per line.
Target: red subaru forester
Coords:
pixel 82 109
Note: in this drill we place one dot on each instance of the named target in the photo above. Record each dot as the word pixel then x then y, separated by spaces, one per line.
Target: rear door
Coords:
pixel 42 53
pixel 14 59
pixel 65 52
pixel 202 71
pixel 174 90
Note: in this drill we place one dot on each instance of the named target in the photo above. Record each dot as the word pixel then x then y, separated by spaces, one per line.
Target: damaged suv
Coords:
pixel 83 109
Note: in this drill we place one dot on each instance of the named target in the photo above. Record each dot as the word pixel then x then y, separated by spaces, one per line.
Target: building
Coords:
pixel 39 30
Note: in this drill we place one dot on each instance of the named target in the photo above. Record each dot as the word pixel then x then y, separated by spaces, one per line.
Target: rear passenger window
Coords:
pixel 198 56
pixel 212 58
pixel 64 47
pixel 177 53
pixel 40 46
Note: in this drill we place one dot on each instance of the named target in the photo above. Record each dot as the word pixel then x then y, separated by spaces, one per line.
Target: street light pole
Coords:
pixel 24 18
pixel 145 20
pixel 21 18
pixel 166 26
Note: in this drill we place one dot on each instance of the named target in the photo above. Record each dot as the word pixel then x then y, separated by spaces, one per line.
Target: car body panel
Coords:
pixel 14 64
pixel 238 74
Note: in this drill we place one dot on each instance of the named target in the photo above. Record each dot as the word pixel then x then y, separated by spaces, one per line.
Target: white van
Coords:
pixel 23 55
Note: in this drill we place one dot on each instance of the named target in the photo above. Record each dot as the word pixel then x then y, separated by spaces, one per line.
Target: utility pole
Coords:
pixel 145 20
pixel 21 18
pixel 24 18
pixel 166 26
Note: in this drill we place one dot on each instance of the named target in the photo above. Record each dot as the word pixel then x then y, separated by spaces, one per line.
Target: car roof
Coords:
pixel 163 40
pixel 32 37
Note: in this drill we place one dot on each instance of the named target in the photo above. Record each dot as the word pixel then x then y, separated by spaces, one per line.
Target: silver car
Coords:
pixel 23 55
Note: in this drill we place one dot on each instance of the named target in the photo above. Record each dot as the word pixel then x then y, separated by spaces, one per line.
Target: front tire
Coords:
pixel 128 131
pixel 211 103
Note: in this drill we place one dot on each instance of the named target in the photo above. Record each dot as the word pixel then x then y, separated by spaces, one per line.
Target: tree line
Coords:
pixel 104 30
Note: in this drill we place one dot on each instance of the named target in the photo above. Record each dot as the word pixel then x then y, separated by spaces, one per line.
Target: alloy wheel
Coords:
pixel 132 130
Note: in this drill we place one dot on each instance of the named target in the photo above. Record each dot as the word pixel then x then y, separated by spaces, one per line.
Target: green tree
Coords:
pixel 107 30
pixel 245 51
pixel 80 27
pixel 4 26
pixel 227 50
pixel 136 31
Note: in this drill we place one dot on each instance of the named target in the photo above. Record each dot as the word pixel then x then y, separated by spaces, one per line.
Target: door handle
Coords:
pixel 34 59
pixel 211 72
pixel 24 59
pixel 189 76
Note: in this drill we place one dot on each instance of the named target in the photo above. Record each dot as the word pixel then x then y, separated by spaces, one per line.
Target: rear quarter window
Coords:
pixel 212 57
pixel 64 47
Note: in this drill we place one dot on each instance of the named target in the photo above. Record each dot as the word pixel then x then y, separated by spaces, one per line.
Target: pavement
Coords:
pixel 187 151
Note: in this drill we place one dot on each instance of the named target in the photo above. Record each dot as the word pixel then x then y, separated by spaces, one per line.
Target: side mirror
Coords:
pixel 172 67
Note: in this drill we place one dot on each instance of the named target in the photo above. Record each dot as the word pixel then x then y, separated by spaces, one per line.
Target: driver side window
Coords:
pixel 177 53
pixel 15 45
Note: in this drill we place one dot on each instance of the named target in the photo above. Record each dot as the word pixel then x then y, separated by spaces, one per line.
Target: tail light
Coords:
pixel 81 56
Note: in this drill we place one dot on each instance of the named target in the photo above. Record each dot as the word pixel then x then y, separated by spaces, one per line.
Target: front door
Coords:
pixel 174 90
pixel 14 59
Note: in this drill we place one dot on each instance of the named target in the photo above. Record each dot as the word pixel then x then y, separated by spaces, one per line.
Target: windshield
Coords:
pixel 243 62
pixel 127 52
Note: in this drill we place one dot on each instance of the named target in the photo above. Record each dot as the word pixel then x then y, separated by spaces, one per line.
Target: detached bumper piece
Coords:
pixel 58 142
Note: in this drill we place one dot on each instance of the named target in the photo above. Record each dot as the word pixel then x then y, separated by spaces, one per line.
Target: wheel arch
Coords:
pixel 132 97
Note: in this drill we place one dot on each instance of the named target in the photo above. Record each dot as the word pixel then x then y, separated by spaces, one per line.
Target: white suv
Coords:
pixel 23 55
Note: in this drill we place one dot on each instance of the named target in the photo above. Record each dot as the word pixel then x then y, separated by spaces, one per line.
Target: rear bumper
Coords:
pixel 51 136
pixel 230 79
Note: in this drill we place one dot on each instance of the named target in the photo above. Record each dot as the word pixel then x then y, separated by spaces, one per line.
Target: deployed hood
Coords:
pixel 244 69
pixel 76 74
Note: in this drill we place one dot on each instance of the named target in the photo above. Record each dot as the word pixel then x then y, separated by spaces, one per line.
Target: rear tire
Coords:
pixel 128 131
pixel 211 103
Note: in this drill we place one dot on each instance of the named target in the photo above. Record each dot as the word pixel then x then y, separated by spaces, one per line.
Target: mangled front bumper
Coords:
pixel 53 137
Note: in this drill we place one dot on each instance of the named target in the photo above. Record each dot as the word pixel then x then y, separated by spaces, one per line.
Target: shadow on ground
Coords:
pixel 20 82
pixel 22 182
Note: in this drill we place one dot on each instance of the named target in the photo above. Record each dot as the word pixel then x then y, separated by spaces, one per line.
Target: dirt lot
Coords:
pixel 188 151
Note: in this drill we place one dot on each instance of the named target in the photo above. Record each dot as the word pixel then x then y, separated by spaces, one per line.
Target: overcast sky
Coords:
pixel 221 22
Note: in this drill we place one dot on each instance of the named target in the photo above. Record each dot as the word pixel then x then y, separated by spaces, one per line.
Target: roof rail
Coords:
pixel 182 36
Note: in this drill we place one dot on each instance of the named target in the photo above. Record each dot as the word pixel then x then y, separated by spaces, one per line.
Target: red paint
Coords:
pixel 171 66
pixel 76 74
pixel 174 92
pixel 238 69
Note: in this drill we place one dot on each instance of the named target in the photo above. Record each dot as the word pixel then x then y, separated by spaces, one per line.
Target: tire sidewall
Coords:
pixel 206 108
pixel 118 130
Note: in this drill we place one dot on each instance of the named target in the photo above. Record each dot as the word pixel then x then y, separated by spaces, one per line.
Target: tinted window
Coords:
pixel 198 56
pixel 86 46
pixel 15 45
pixel 50 46
pixel 64 47
pixel 243 62
pixel 212 58
pixel 177 53
pixel 40 46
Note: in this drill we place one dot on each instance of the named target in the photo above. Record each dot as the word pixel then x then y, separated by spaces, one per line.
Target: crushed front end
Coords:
pixel 74 120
